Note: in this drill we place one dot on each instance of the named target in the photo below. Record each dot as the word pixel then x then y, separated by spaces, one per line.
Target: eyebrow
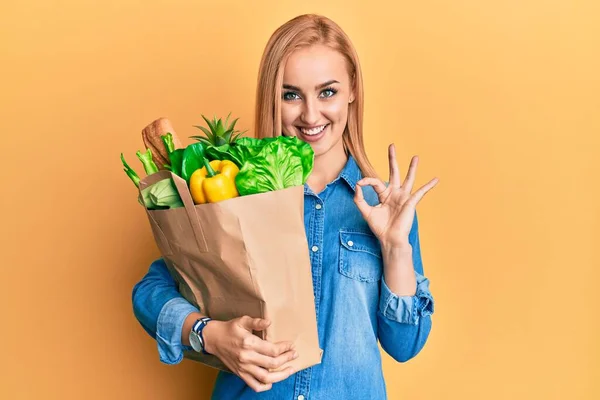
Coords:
pixel 322 85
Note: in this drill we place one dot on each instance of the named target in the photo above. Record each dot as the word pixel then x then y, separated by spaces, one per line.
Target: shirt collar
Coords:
pixel 351 172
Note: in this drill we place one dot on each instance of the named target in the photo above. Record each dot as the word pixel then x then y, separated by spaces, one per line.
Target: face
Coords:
pixel 315 97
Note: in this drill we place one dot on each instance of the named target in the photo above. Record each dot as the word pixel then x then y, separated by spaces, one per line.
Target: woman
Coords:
pixel 363 238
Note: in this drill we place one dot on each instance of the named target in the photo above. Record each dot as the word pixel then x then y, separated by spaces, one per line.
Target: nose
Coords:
pixel 310 112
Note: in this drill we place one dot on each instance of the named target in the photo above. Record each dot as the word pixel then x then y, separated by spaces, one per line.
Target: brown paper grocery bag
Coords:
pixel 243 256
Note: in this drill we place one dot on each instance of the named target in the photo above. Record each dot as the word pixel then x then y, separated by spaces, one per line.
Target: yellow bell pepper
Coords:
pixel 214 182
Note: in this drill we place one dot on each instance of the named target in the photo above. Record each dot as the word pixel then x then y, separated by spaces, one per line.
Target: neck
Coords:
pixel 327 167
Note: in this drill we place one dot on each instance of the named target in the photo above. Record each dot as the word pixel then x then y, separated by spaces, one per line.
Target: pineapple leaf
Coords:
pixel 210 125
pixel 236 137
pixel 209 135
pixel 227 136
pixel 232 126
pixel 220 130
pixel 227 119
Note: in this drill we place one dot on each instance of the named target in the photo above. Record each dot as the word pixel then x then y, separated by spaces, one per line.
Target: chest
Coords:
pixel 344 252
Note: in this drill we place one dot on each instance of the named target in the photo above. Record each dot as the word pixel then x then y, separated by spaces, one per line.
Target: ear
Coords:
pixel 352 90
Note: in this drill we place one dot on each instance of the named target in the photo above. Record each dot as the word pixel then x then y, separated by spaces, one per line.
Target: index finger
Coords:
pixel 266 377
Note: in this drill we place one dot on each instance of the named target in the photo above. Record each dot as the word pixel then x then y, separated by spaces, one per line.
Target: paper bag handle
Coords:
pixel 186 198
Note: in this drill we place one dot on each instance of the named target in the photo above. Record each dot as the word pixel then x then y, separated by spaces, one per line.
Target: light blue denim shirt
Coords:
pixel 354 306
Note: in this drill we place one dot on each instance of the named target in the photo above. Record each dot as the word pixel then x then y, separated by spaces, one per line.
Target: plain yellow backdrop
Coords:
pixel 500 99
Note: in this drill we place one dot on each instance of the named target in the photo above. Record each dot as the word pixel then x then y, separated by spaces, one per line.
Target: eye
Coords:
pixel 288 96
pixel 328 92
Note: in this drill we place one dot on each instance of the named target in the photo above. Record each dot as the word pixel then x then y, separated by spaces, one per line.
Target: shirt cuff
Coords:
pixel 406 309
pixel 168 329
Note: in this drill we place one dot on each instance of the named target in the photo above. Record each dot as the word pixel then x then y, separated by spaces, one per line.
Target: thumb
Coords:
pixel 254 324
pixel 360 202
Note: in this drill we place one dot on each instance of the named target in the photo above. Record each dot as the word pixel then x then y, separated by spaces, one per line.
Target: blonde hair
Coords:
pixel 302 31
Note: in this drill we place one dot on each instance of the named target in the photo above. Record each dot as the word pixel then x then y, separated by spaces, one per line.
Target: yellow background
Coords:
pixel 500 99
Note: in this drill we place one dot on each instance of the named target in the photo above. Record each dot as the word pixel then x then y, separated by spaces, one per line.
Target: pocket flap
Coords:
pixel 360 241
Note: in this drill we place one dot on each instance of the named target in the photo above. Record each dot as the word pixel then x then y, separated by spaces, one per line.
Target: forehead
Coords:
pixel 313 65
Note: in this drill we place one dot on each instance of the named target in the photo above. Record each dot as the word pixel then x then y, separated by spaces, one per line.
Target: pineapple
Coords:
pixel 219 133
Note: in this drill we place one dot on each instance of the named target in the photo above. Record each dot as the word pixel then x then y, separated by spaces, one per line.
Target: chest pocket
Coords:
pixel 360 256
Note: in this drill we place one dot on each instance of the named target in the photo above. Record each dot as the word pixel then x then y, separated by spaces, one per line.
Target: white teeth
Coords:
pixel 313 131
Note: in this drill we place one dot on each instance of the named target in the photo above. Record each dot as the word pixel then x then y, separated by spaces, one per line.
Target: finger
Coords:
pixel 256 324
pixel 271 363
pixel 359 200
pixel 254 383
pixel 377 184
pixel 418 195
pixel 272 349
pixel 394 170
pixel 410 175
pixel 266 377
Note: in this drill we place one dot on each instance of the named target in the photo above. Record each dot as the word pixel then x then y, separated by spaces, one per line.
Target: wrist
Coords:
pixel 399 272
pixel 398 249
pixel 210 336
pixel 188 324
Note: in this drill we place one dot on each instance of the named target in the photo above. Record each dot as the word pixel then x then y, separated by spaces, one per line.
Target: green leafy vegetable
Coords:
pixel 223 152
pixel 237 152
pixel 164 194
pixel 192 160
pixel 176 158
pixel 146 201
pixel 252 142
pixel 250 147
pixel 302 150
pixel 281 163
pixel 161 196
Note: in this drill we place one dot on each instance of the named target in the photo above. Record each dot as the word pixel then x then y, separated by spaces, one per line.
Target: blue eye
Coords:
pixel 290 96
pixel 328 92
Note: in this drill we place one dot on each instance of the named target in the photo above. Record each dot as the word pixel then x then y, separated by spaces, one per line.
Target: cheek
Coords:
pixel 288 115
pixel 337 112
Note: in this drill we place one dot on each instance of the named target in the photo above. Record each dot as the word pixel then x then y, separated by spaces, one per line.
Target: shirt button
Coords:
pixel 301 397
pixel 350 243
pixel 315 248
pixel 318 206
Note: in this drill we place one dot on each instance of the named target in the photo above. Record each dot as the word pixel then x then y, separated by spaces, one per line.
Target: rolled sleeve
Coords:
pixel 169 326
pixel 407 309
pixel 404 322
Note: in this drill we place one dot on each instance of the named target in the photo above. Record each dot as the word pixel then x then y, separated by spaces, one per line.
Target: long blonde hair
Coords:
pixel 302 31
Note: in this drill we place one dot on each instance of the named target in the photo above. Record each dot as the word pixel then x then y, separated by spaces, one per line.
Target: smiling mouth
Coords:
pixel 313 131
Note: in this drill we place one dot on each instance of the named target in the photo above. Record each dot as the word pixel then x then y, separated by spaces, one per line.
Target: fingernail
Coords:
pixel 295 354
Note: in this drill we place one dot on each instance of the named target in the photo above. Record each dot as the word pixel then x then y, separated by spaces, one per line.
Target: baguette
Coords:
pixel 151 135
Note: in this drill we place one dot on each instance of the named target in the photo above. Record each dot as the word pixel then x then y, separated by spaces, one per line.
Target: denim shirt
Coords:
pixel 354 306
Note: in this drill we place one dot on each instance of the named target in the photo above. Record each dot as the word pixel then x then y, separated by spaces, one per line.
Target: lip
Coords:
pixel 312 138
